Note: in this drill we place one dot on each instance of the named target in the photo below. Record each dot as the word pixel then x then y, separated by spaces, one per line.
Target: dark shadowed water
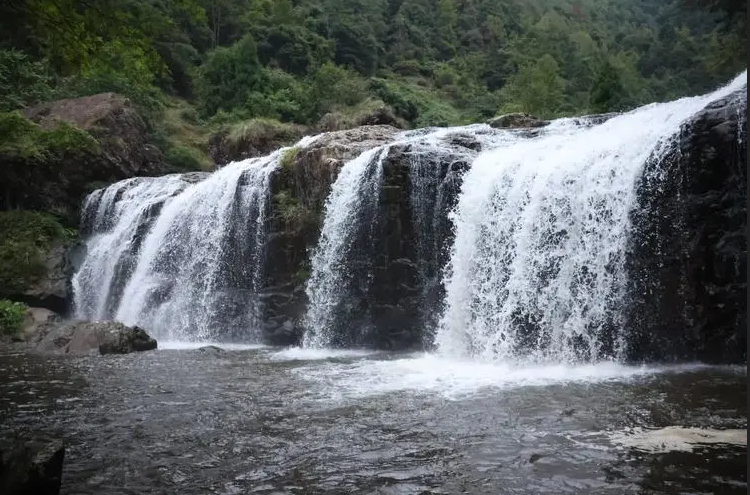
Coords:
pixel 272 421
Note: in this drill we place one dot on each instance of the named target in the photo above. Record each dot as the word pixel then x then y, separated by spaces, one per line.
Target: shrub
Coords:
pixel 20 138
pixel 263 135
pixel 288 158
pixel 12 315
pixel 295 215
pixel 179 158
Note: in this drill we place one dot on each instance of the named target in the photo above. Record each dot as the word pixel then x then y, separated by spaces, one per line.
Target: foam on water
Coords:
pixel 313 354
pixel 458 379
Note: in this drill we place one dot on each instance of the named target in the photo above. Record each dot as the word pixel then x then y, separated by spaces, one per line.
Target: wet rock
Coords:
pixel 210 349
pixel 31 467
pixel 594 119
pixel 688 254
pixel 95 337
pixel 390 307
pixel 465 141
pixel 39 322
pixel 52 290
pixel 516 121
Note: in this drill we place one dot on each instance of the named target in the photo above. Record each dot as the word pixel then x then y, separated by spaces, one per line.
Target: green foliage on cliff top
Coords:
pixel 12 315
pixel 431 62
pixel 24 238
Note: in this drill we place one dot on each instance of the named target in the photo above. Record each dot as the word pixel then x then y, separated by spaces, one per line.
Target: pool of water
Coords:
pixel 261 420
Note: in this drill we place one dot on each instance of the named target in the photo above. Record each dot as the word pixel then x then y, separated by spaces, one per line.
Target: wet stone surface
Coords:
pixel 271 421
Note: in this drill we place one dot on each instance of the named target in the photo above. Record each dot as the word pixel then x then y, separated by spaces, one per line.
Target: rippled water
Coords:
pixel 296 421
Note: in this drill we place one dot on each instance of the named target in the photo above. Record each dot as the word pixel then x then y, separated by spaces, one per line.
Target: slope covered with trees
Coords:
pixel 192 64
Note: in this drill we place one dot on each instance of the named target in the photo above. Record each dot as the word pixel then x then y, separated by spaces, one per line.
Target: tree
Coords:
pixel 228 76
pixel 537 88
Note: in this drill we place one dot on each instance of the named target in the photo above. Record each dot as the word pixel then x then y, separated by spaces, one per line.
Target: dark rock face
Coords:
pixel 402 254
pixel 125 151
pixel 31 467
pixel 52 290
pixel 399 249
pixel 516 121
pixel 688 259
pixel 97 337
pixel 294 225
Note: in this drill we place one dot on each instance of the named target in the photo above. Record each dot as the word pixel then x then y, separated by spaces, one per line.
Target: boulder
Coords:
pixel 39 322
pixel 516 121
pixel 115 123
pixel 95 337
pixel 31 467
pixel 59 186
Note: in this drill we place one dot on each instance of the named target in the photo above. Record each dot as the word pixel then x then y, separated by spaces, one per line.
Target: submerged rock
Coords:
pixel 31 467
pixel 211 349
pixel 96 337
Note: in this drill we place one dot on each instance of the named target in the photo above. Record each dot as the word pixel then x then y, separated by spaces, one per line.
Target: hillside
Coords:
pixel 196 66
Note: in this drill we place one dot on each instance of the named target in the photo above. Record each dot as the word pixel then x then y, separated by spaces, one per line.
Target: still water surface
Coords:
pixel 270 421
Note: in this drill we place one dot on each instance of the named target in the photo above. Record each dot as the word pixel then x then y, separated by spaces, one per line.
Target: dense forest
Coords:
pixel 194 65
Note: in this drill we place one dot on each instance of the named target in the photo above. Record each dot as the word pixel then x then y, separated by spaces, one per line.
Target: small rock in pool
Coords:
pixel 210 349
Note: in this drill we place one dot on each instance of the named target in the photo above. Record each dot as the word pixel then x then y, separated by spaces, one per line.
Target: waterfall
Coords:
pixel 350 266
pixel 541 227
pixel 351 199
pixel 182 260
pixel 116 220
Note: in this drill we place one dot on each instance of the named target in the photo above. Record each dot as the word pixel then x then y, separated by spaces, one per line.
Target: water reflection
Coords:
pixel 248 421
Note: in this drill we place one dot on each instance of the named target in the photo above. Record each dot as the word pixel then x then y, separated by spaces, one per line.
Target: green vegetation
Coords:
pixel 12 315
pixel 193 66
pixel 288 158
pixel 22 139
pixel 24 238
pixel 292 211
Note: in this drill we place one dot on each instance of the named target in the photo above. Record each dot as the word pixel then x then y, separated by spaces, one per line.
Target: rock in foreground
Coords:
pixel 96 337
pixel 32 467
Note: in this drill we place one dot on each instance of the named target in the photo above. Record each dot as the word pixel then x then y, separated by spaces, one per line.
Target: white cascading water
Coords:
pixel 179 288
pixel 192 271
pixel 536 270
pixel 325 288
pixel 114 214
pixel 356 186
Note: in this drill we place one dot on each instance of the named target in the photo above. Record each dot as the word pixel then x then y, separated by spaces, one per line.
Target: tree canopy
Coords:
pixel 434 62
